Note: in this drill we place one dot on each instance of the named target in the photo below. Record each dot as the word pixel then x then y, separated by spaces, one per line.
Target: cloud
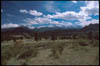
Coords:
pixel 42 26
pixel 31 27
pixel 31 12
pixel 50 25
pixel 46 22
pixel 58 24
pixel 35 13
pixel 1 10
pixel 40 20
pixel 86 23
pixel 9 25
pixel 91 8
pixel 64 24
pixel 23 11
pixel 68 15
pixel 74 1
pixel 50 7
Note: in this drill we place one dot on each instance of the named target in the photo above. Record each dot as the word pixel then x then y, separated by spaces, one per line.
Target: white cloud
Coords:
pixel 9 25
pixel 31 27
pixel 1 10
pixel 69 15
pixel 92 4
pixel 58 24
pixel 74 1
pixel 35 13
pixel 48 21
pixel 86 23
pixel 31 12
pixel 91 8
pixel 40 20
pixel 23 11
pixel 29 21
pixel 51 22
pixel 64 24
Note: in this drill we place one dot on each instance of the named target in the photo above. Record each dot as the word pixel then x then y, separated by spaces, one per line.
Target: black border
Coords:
pixel 49 0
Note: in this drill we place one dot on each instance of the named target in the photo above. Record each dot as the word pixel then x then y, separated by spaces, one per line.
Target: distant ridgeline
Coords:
pixel 91 27
pixel 48 31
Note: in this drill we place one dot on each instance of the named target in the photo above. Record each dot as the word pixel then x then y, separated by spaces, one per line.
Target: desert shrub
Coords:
pixel 75 36
pixel 90 35
pixel 95 43
pixel 53 37
pixel 68 37
pixel 56 50
pixel 80 45
pixel 18 43
pixel 27 36
pixel 28 53
pixel 96 37
pixel 10 51
pixel 74 45
pixel 5 38
pixel 63 37
pixel 3 61
pixel 5 57
pixel 84 36
pixel 97 60
pixel 6 54
pixel 46 37
pixel 14 61
pixel 36 37
pixel 83 42
pixel 39 38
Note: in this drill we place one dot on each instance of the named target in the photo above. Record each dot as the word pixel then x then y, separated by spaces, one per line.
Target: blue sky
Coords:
pixel 49 13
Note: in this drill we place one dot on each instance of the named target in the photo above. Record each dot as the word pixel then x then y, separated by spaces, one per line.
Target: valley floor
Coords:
pixel 31 52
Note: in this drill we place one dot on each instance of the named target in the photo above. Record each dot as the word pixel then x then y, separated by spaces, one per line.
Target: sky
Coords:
pixel 37 14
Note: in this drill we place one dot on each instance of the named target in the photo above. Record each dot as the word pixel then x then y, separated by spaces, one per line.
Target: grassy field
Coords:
pixel 47 52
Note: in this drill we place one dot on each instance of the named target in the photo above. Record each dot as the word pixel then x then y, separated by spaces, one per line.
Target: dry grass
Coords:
pixel 46 52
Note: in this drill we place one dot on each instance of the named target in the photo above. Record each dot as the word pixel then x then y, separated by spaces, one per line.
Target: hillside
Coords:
pixel 48 30
pixel 91 27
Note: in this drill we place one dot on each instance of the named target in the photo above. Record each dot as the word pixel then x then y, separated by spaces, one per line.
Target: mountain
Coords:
pixel 56 28
pixel 91 27
pixel 47 29
pixel 18 30
pixel 25 30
